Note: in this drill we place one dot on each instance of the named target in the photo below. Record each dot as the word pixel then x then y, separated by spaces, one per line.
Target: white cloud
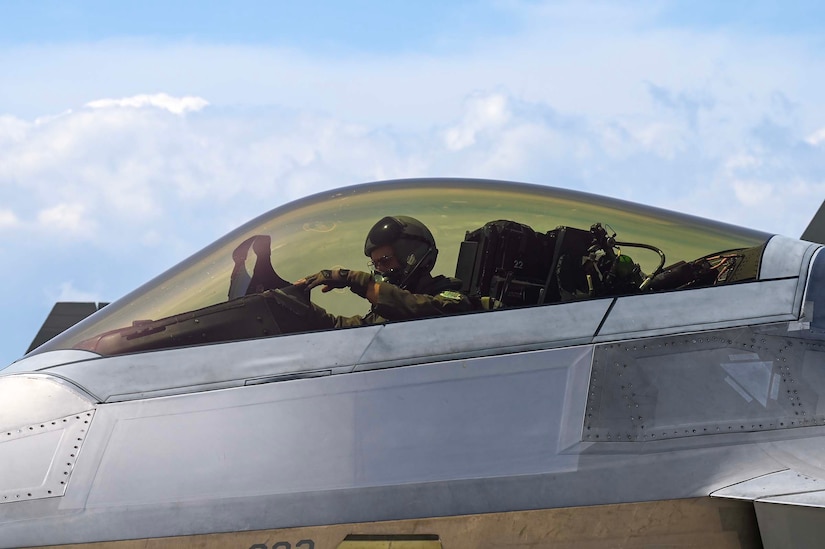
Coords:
pixel 741 161
pixel 603 101
pixel 67 292
pixel 816 138
pixel 8 219
pixel 12 130
pixel 175 105
pixel 67 220
pixel 140 173
pixel 481 113
pixel 719 123
pixel 753 193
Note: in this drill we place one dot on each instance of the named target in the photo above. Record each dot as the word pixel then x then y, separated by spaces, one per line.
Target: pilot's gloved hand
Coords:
pixel 357 281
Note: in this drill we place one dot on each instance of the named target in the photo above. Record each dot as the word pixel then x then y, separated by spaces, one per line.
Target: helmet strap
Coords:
pixel 413 274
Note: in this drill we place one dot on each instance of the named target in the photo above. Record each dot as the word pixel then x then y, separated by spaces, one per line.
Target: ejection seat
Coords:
pixel 516 266
pixel 263 275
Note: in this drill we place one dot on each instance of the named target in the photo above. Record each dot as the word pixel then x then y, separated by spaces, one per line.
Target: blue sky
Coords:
pixel 363 24
pixel 320 26
pixel 132 134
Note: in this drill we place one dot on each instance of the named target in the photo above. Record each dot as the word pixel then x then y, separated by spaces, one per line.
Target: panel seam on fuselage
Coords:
pixel 604 318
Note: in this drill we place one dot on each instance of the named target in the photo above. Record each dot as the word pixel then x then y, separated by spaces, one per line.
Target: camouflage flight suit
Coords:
pixel 433 297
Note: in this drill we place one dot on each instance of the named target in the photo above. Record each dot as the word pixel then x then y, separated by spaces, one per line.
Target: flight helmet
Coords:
pixel 412 244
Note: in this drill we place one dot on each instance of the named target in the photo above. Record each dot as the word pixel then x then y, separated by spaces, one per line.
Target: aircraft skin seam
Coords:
pixel 83 391
pixel 66 453
pixel 604 318
pixel 765 475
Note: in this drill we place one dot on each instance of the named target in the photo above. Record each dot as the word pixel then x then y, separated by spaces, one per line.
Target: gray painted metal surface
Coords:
pixel 467 436
pixel 702 309
pixel 56 358
pixel 495 332
pixel 38 398
pixel 785 257
pixel 217 366
pixel 38 459
pixel 774 484
pixel 815 231
pixel 394 429
pixel 723 381
pixel 653 397
pixel 789 525
pixel 44 426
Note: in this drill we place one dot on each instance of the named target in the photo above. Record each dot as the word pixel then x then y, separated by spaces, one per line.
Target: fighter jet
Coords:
pixel 637 377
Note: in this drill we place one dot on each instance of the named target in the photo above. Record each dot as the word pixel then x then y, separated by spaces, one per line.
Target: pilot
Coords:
pixel 402 252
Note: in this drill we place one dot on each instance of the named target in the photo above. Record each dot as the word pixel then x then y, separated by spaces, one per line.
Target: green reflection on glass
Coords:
pixel 328 230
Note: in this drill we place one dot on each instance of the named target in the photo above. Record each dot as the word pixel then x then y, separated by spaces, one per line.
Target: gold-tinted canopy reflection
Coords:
pixel 328 230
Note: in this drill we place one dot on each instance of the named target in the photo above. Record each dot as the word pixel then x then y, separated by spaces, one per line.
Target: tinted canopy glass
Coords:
pixel 329 229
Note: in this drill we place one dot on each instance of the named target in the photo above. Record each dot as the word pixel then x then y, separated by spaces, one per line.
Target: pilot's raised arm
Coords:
pixel 402 252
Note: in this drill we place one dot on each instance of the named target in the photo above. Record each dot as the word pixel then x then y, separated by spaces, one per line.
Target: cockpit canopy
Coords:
pixel 327 230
